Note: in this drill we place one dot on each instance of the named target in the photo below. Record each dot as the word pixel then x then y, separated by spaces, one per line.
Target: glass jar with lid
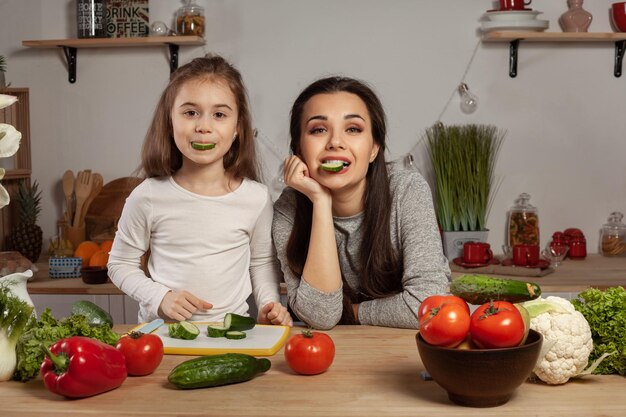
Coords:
pixel 190 20
pixel 613 236
pixel 523 222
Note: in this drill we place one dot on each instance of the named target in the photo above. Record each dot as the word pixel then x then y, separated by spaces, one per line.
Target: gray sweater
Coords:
pixel 414 234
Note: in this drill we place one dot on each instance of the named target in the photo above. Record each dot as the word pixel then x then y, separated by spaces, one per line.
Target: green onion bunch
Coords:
pixel 463 159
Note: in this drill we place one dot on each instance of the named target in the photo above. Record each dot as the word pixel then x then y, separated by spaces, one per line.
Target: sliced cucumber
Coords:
pixel 332 166
pixel 216 331
pixel 236 322
pixel 202 146
pixel 183 330
pixel 234 335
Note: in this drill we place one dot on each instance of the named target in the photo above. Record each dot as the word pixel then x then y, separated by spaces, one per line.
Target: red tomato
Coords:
pixel 446 325
pixel 143 352
pixel 497 324
pixel 436 301
pixel 310 353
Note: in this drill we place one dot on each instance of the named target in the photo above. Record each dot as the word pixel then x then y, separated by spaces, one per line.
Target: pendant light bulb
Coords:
pixel 469 101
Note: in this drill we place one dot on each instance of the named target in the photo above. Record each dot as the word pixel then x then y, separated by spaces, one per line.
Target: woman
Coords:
pixel 357 243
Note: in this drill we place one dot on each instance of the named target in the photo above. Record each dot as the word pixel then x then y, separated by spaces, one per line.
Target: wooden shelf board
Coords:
pixel 115 42
pixel 508 36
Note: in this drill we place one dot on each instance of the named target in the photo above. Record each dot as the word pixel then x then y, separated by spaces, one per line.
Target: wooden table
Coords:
pixel 376 372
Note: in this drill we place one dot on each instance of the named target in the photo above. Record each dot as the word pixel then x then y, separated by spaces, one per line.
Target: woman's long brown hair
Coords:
pixel 381 267
pixel 160 156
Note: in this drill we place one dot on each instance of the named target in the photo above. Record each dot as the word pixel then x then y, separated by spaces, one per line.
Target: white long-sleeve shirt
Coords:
pixel 217 248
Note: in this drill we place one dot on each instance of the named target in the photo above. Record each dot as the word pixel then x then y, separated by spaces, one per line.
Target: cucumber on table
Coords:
pixel 235 335
pixel 215 370
pixel 480 289
pixel 96 316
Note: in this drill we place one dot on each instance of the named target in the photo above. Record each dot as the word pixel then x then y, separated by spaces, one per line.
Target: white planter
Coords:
pixel 453 242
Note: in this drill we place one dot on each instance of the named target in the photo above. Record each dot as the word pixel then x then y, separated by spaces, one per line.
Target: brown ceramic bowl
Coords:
pixel 480 377
pixel 94 274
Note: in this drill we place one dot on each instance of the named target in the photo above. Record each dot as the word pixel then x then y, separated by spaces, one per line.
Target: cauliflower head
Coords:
pixel 569 335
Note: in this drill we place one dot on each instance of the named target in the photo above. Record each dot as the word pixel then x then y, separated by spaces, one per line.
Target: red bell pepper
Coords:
pixel 80 366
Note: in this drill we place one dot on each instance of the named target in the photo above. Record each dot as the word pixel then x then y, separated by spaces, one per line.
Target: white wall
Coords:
pixel 564 113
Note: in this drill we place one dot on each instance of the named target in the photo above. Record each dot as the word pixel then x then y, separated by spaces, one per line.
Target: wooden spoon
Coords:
pixel 96 187
pixel 68 190
pixel 82 189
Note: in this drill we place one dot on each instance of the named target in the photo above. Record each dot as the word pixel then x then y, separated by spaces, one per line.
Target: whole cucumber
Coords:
pixel 96 316
pixel 480 289
pixel 216 370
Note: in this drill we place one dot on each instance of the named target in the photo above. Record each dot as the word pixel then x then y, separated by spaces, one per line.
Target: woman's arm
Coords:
pixel 426 272
pixel 321 269
pixel 319 309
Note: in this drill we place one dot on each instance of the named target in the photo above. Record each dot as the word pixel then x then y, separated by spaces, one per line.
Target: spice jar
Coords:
pixel 523 223
pixel 190 20
pixel 613 236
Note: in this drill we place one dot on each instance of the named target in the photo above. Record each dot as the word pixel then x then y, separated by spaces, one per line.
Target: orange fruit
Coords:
pixel 99 258
pixel 106 245
pixel 85 250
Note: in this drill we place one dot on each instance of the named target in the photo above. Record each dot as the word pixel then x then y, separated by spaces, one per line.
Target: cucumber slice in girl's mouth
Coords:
pixel 202 146
pixel 333 166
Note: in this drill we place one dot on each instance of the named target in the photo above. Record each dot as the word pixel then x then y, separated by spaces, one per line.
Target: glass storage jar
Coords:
pixel 523 222
pixel 190 20
pixel 613 236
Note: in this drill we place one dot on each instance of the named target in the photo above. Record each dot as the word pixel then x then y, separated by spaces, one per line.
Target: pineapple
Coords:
pixel 27 237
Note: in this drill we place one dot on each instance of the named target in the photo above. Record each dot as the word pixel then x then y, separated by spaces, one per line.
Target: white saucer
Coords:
pixel 529 25
pixel 517 15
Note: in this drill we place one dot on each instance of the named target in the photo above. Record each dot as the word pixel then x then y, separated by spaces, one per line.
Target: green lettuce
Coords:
pixel 48 330
pixel 605 312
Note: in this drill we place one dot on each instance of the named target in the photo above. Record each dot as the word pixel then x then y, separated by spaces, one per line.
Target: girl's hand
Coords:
pixel 297 176
pixel 181 305
pixel 275 313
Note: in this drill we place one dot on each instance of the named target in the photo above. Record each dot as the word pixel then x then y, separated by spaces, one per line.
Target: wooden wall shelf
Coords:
pixel 71 46
pixel 514 38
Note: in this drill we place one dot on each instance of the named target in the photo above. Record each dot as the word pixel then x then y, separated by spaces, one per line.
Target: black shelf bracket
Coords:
pixel 70 56
pixel 173 57
pixel 513 48
pixel 620 46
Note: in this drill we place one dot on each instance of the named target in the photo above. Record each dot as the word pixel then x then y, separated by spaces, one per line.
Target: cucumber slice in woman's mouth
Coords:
pixel 202 146
pixel 333 166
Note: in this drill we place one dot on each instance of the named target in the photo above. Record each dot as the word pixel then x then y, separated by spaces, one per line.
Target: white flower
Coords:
pixel 9 140
pixel 6 101
pixel 9 144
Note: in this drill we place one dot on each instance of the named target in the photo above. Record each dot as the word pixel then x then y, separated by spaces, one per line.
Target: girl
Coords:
pixel 357 244
pixel 200 212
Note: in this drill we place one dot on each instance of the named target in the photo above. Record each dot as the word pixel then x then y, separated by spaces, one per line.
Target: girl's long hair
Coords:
pixel 160 156
pixel 381 267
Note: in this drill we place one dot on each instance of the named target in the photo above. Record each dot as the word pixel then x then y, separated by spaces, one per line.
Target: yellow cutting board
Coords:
pixel 262 340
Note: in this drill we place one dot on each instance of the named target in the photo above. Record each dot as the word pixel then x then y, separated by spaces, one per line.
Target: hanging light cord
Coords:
pixel 456 87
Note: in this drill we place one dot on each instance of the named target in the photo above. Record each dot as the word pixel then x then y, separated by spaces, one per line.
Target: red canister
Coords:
pixel 577 247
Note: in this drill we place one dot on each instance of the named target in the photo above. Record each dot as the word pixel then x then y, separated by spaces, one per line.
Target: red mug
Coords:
pixel 514 4
pixel 477 253
pixel 526 255
pixel 618 16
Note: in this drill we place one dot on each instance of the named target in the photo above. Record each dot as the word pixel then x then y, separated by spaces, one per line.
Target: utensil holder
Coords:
pixel 76 235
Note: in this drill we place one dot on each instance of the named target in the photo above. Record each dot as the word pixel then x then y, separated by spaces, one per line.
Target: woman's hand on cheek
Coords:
pixel 181 305
pixel 275 313
pixel 297 176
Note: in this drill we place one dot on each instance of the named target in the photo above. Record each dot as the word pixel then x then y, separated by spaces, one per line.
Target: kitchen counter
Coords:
pixel 572 276
pixel 375 373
